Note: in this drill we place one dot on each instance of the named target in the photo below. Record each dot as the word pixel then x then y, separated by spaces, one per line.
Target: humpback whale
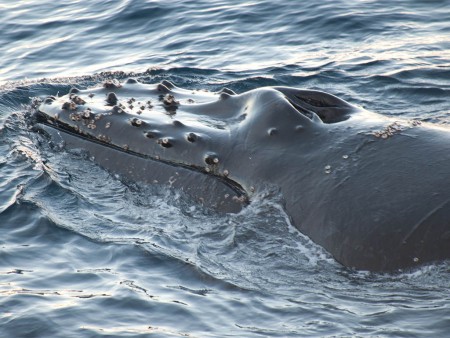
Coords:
pixel 372 190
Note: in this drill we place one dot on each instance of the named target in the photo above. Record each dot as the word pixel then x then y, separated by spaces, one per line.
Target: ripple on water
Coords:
pixel 84 253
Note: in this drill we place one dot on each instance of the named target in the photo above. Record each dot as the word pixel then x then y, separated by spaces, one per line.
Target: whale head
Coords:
pixel 371 190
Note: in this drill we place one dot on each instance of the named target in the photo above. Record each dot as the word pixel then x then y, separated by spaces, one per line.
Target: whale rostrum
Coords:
pixel 372 190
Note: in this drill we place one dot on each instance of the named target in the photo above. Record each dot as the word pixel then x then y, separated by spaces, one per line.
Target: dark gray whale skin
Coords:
pixel 373 191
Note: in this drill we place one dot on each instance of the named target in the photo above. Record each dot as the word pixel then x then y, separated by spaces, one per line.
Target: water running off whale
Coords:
pixel 371 190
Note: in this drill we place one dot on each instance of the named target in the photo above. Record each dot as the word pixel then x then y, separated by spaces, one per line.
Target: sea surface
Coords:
pixel 84 253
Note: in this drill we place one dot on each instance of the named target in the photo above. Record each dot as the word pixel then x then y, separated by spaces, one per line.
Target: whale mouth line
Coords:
pixel 41 118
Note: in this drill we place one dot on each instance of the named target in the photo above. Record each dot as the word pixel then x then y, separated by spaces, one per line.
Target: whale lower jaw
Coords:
pixel 224 196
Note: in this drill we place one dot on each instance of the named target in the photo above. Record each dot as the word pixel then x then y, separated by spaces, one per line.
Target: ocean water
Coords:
pixel 84 253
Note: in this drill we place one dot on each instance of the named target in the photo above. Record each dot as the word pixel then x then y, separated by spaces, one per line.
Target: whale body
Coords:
pixel 372 190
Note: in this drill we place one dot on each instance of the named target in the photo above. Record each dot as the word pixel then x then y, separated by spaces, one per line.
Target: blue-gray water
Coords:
pixel 85 254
